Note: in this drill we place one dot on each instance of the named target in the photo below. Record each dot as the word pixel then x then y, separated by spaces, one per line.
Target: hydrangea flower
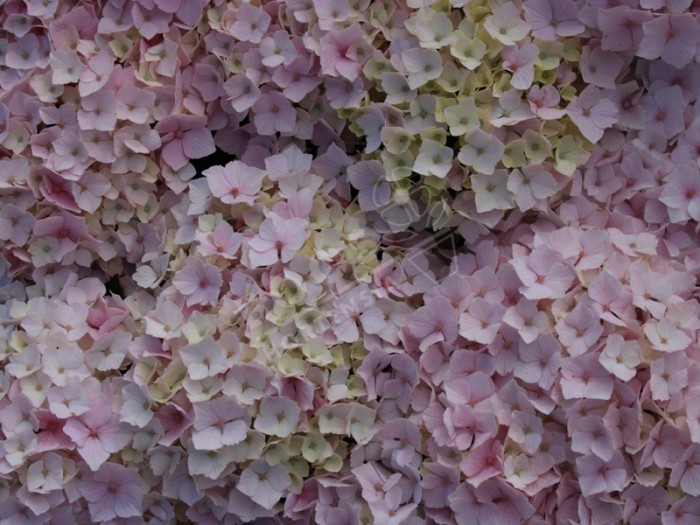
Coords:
pixel 264 483
pixel 278 239
pixel 481 152
pixel 549 19
pixel 343 261
pixel 592 113
pixel 112 492
pixel 277 416
pixel 199 282
pixel 673 37
pixel 97 434
pixel 598 475
pixel 218 423
pixel 184 137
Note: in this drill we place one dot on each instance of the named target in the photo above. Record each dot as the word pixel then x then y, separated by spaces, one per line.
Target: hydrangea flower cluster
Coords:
pixel 347 262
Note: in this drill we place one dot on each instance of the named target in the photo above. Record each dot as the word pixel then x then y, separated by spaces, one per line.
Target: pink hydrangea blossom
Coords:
pixel 277 240
pixel 97 434
pixel 184 137
pixel 112 492
pixel 200 282
pixel 235 182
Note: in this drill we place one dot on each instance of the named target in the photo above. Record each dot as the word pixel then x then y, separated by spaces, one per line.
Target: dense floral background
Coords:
pixel 348 262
